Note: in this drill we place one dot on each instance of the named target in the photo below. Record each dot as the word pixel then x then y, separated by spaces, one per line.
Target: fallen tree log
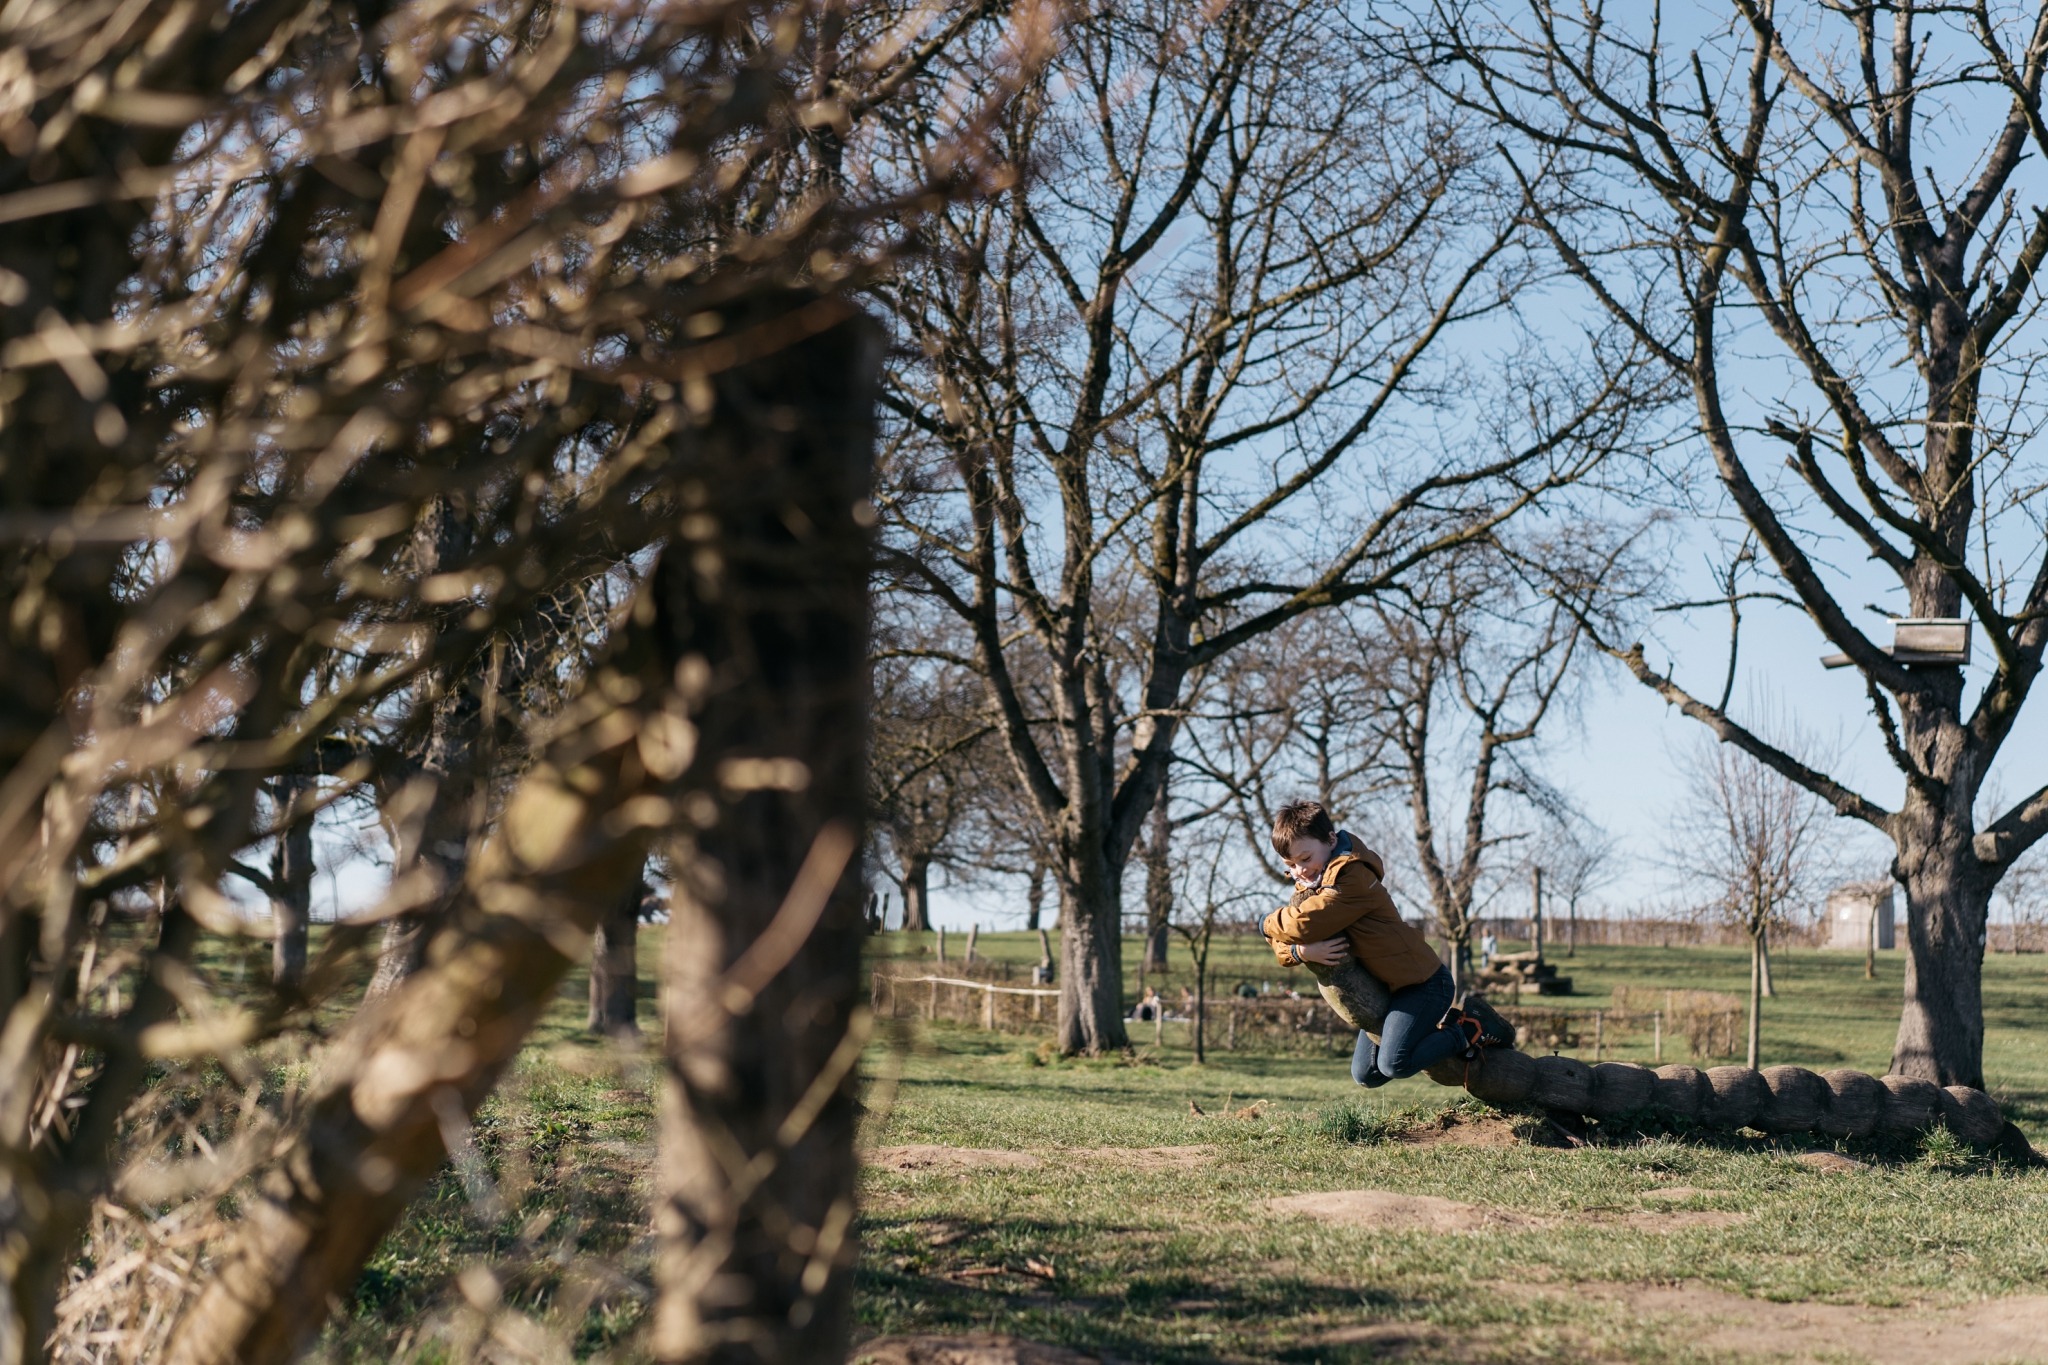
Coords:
pixel 1777 1099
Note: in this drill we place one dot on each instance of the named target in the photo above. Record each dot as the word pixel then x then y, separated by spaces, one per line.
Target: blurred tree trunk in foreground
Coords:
pixel 763 608
pixel 291 874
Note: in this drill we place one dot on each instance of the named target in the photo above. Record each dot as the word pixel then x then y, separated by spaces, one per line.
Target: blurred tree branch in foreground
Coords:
pixel 344 351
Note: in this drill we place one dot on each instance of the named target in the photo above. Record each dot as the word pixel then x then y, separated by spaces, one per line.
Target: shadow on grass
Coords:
pixel 1168 1317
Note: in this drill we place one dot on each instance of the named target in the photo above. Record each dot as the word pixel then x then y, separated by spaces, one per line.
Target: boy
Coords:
pixel 1338 892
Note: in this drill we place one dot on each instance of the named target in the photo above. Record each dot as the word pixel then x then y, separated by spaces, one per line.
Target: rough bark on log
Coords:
pixel 1680 1091
pixel 1797 1102
pixel 1736 1097
pixel 1912 1105
pixel 1971 1115
pixel 1619 1089
pixel 1359 998
pixel 1562 1083
pixel 1855 1104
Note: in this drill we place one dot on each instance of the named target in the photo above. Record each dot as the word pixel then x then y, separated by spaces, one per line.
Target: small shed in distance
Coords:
pixel 1858 911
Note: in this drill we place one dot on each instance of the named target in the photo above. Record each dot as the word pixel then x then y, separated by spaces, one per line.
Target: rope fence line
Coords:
pixel 1231 1020
pixel 1707 1024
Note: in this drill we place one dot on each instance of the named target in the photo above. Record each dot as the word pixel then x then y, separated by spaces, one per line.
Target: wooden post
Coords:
pixel 988 1005
pixel 1230 1034
pixel 942 945
pixel 1599 1032
pixel 1657 1036
pixel 931 1009
pixel 1159 1023
pixel 973 932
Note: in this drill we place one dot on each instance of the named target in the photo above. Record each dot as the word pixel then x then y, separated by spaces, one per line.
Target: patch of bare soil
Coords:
pixel 1831 1163
pixel 975 1349
pixel 1458 1130
pixel 1148 1158
pixel 1715 1320
pixel 1401 1212
pixel 1427 1213
pixel 931 1157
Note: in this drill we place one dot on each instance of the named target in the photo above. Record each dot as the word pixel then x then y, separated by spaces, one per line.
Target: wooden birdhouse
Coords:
pixel 1942 640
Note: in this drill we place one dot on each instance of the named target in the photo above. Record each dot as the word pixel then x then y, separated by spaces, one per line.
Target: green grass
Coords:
pixel 1171 1264
pixel 1157 1261
pixel 1189 1265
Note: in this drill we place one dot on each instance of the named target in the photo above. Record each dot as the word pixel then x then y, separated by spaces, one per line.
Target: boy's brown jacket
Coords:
pixel 1349 900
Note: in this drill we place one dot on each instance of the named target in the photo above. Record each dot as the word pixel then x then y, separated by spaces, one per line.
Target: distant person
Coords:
pixel 1247 991
pixel 1147 1009
pixel 1339 909
pixel 1488 946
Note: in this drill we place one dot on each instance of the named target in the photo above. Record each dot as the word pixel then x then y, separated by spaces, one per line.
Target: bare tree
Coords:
pixel 1580 859
pixel 1755 840
pixel 2024 891
pixel 1149 405
pixel 1473 675
pixel 929 753
pixel 1299 716
pixel 1777 190
pixel 1204 884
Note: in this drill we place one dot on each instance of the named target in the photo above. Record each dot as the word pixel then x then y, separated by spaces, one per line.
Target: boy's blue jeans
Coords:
pixel 1410 1040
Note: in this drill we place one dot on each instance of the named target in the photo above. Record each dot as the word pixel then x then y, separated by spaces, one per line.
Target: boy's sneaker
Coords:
pixel 1471 1031
pixel 1494 1031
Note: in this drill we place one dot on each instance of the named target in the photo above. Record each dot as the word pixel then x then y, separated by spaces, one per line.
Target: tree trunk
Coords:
pixel 1091 957
pixel 1461 958
pixel 1536 912
pixel 400 951
pixel 1158 886
pixel 1201 1020
pixel 615 969
pixel 754 1221
pixel 1571 927
pixel 1034 898
pixel 1948 899
pixel 1756 981
pixel 917 895
pixel 291 868
pixel 1763 948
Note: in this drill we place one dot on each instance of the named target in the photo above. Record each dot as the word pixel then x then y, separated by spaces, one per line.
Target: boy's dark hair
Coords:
pixel 1298 818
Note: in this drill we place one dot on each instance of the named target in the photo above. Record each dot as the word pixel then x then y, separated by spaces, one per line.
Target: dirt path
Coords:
pixel 1427 1213
pixel 2014 1329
